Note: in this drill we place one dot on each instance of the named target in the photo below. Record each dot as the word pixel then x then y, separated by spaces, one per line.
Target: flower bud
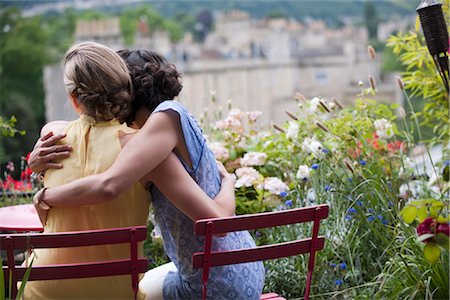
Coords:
pixel 300 97
pixel 372 83
pixel 338 103
pixel 402 112
pixel 371 52
pixel 400 83
pixel 291 115
pixel 278 127
pixel 324 105
pixel 348 164
pixel 321 126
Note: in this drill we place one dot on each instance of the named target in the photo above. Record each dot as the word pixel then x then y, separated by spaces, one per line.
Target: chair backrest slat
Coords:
pixel 74 239
pixel 266 252
pixel 80 270
pixel 262 220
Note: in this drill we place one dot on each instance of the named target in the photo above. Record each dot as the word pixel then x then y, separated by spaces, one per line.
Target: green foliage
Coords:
pixel 154 248
pixel 7 127
pixel 423 80
pixel 26 46
pixel 129 21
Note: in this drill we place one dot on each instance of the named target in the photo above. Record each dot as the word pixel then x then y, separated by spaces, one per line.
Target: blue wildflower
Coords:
pixel 370 218
pixel 327 188
pixel 359 203
pixel 338 281
pixel 370 210
pixel 333 265
pixel 283 194
pixel 380 217
pixel 315 166
pixel 258 234
pixel 342 266
pixel 288 203
pixel 348 217
pixel 362 162
pixel 349 179
pixel 390 204
pixel 325 150
pixel 351 210
pixel 385 222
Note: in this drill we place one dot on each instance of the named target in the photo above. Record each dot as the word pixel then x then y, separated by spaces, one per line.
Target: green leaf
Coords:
pixel 422 214
pixel 408 214
pixel 442 240
pixel 24 280
pixel 432 252
pixel 2 281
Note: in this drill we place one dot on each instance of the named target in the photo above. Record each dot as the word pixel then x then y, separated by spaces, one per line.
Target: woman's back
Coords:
pixel 95 147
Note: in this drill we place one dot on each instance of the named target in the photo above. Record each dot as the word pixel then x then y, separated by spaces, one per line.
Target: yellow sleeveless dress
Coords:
pixel 95 147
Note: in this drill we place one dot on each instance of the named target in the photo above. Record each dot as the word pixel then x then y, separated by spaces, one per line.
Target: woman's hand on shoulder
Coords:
pixel 46 150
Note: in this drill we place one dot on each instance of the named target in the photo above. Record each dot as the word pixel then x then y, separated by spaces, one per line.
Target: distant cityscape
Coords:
pixel 256 64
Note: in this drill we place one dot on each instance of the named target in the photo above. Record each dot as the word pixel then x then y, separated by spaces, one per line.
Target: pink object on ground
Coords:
pixel 20 218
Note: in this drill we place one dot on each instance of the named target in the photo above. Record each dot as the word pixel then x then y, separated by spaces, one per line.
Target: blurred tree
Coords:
pixel 129 21
pixel 276 14
pixel 371 20
pixel 204 24
pixel 26 46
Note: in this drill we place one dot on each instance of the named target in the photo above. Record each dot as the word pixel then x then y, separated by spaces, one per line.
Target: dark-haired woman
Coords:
pixel 166 127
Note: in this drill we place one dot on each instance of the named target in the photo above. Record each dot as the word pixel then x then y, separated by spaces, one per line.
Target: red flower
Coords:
pixel 443 228
pixel 431 226
pixel 25 175
pixel 427 226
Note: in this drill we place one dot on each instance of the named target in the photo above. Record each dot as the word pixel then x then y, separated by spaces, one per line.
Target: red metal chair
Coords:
pixel 210 227
pixel 132 266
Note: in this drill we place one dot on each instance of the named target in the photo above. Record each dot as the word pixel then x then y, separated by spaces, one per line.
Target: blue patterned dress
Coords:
pixel 240 281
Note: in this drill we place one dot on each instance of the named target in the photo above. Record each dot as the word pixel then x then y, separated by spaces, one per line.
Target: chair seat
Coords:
pixel 271 296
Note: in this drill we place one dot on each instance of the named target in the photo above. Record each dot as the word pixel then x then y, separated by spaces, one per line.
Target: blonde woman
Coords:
pixel 100 89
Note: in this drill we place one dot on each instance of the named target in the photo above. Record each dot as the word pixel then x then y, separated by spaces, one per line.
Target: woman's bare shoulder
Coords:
pixel 56 127
pixel 125 137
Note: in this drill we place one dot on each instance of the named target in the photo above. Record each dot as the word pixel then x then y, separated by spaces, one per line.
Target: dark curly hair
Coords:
pixel 154 79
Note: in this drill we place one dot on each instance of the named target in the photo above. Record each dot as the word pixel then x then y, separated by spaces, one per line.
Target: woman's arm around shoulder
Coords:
pixel 146 150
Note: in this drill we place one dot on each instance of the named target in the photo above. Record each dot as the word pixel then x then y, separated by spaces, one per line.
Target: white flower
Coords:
pixel 275 186
pixel 247 177
pixel 292 130
pixel 383 128
pixel 253 159
pixel 229 122
pixel 235 113
pixel 219 151
pixel 310 145
pixel 311 196
pixel 303 172
pixel 314 104
pixel 253 115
